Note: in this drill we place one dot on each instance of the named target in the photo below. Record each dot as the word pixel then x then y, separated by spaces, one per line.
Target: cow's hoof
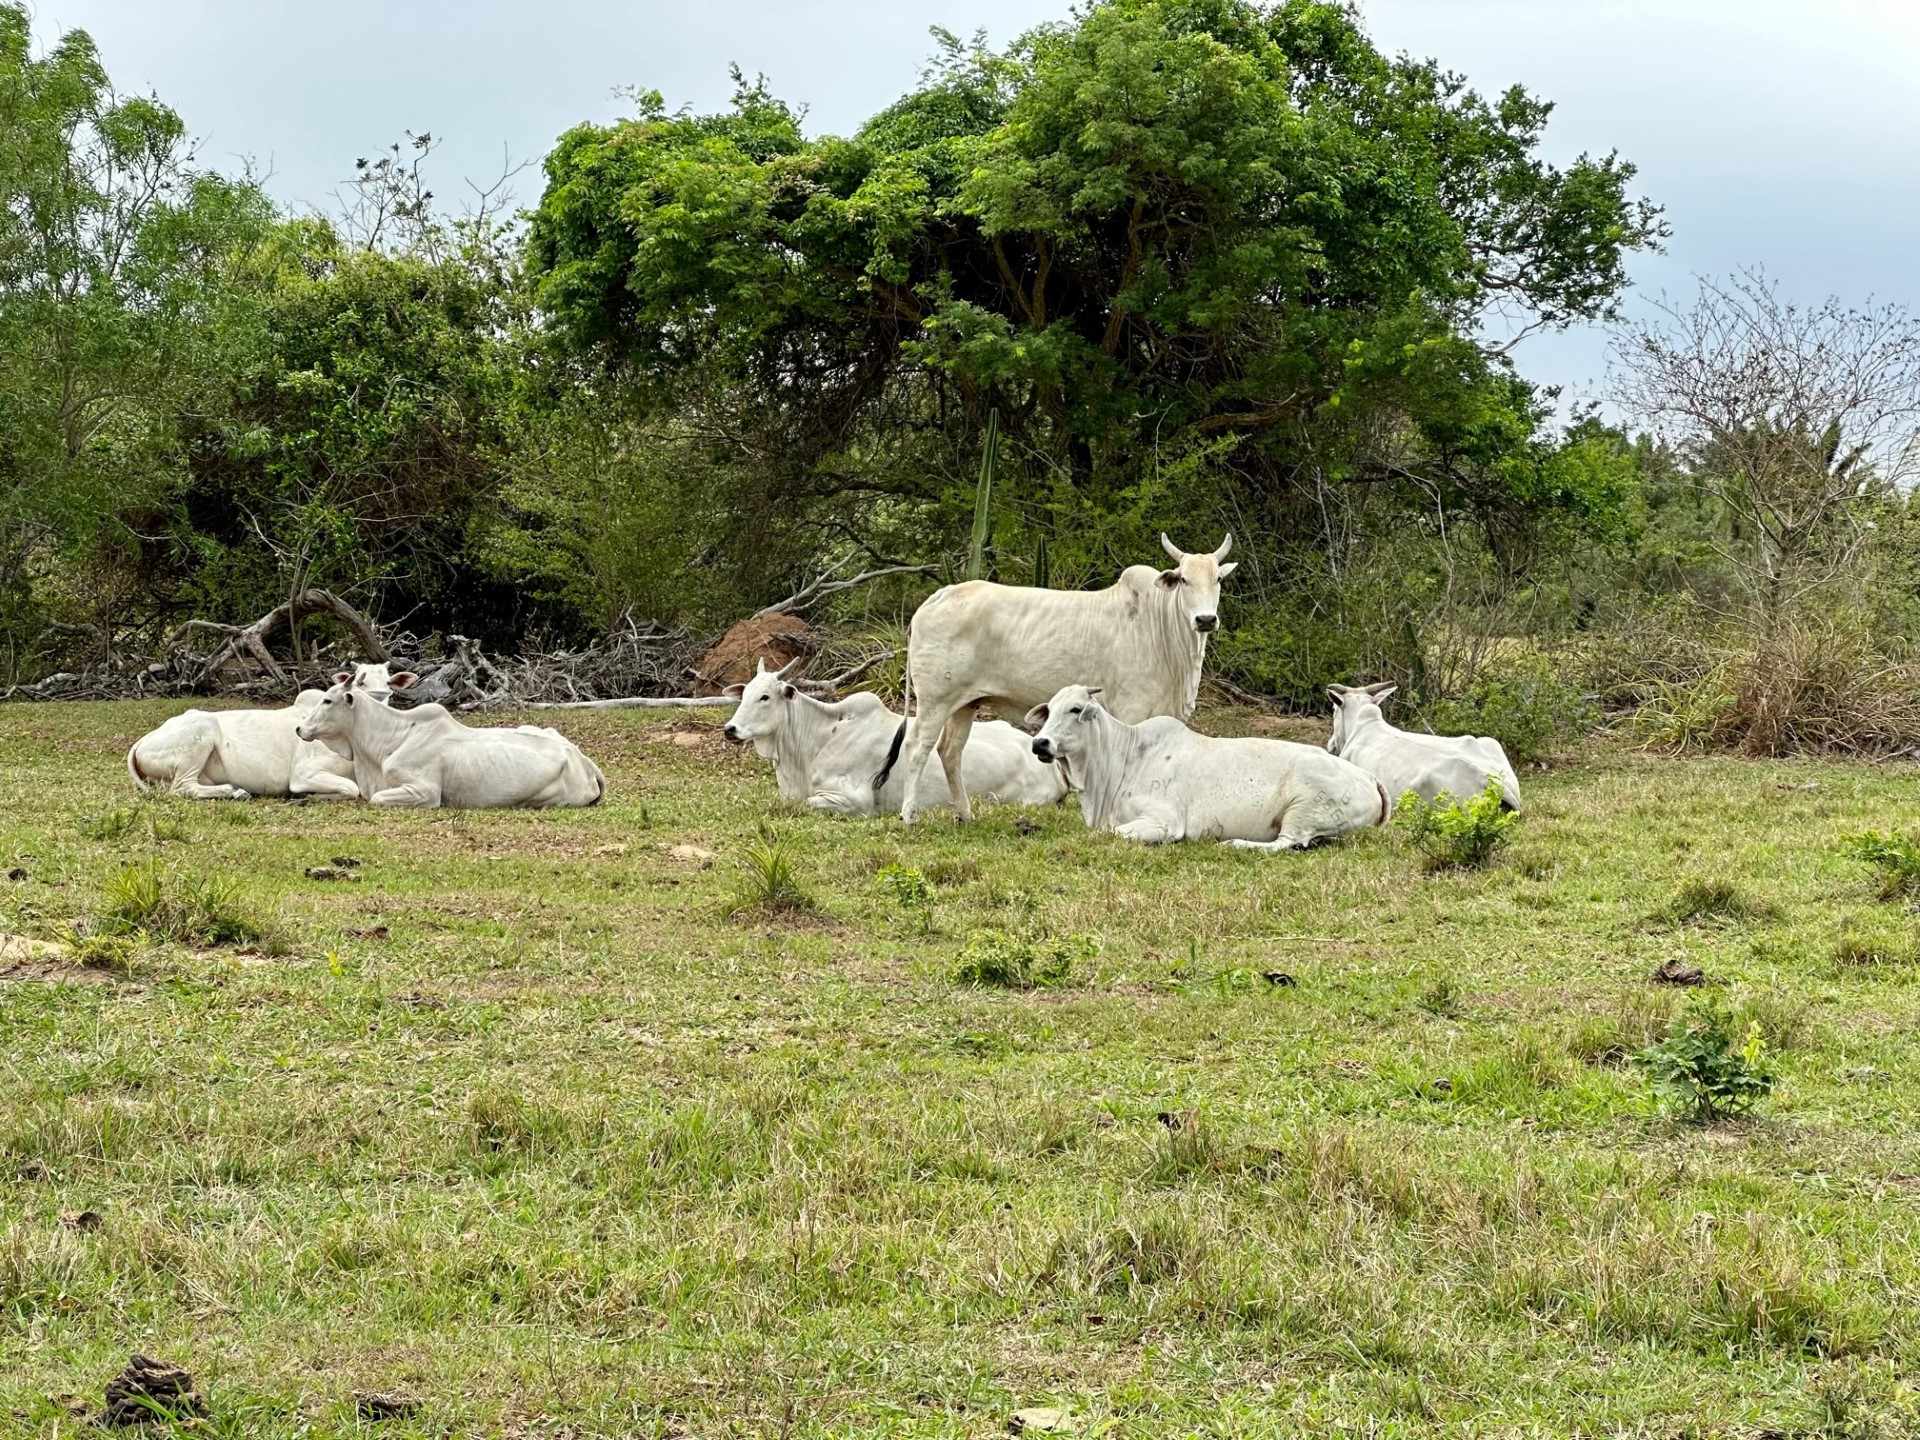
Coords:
pixel 239 794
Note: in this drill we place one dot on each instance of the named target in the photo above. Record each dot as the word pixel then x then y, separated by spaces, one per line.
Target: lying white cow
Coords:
pixel 1142 640
pixel 425 758
pixel 234 754
pixel 826 754
pixel 1161 781
pixel 1459 765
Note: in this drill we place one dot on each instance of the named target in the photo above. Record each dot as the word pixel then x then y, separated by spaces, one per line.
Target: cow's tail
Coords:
pixel 900 731
pixel 1384 807
pixel 140 781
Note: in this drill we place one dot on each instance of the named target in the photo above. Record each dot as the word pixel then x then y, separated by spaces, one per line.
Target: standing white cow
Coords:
pixel 234 754
pixel 1142 640
pixel 1160 781
pixel 424 758
pixel 825 754
pixel 1459 765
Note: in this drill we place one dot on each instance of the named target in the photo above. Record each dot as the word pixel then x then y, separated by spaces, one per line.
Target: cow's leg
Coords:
pixel 835 802
pixel 922 736
pixel 953 744
pixel 1147 830
pixel 1278 843
pixel 323 783
pixel 414 792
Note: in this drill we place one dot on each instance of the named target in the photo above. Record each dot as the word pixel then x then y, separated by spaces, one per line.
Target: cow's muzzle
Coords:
pixel 731 733
pixel 1043 750
pixel 1206 624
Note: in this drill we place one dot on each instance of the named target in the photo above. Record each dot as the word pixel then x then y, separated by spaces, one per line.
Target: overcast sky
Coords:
pixel 1775 132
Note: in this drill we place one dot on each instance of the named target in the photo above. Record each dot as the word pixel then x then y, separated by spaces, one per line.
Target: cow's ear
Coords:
pixel 403 680
pixel 1169 579
pixel 1382 691
pixel 1228 568
pixel 787 692
pixel 343 677
pixel 1036 718
pixel 734 692
pixel 1336 693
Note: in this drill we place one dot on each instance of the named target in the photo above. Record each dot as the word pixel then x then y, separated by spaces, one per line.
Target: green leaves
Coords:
pixel 1703 1073
pixel 1456 834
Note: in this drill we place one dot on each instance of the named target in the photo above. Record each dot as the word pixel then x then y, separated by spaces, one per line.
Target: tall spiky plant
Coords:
pixel 983 499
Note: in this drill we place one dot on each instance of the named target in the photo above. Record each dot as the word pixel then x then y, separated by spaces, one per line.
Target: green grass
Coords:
pixel 526 1126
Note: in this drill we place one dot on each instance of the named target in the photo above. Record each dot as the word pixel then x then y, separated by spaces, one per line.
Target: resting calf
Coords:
pixel 234 754
pixel 825 754
pixel 425 758
pixel 1458 765
pixel 1160 781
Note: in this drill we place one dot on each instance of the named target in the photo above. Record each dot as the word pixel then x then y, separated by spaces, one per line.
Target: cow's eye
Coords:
pixel 1076 709
pixel 765 698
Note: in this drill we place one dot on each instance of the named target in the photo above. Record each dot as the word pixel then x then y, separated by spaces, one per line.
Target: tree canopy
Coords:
pixel 1172 241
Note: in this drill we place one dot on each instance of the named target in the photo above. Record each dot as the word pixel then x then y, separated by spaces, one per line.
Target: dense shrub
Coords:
pixel 1895 859
pixel 1021 962
pixel 1525 704
pixel 1456 834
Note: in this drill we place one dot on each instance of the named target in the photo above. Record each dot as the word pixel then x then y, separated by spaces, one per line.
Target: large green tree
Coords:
pixel 111 245
pixel 1208 258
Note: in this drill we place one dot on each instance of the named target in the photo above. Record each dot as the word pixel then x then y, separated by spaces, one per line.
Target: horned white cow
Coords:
pixel 1142 641
pixel 1160 781
pixel 424 758
pixel 234 754
pixel 1459 765
pixel 826 754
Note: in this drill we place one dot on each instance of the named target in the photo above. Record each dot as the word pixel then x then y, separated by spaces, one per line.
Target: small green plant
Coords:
pixel 142 822
pixel 1701 1074
pixel 911 892
pixel 1895 859
pixel 1714 900
pixel 200 910
pixel 769 880
pixel 1021 962
pixel 1442 998
pixel 1456 834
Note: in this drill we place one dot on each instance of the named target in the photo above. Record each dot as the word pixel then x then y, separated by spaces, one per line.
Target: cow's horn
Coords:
pixel 1172 549
pixel 1226 547
pixel 781 673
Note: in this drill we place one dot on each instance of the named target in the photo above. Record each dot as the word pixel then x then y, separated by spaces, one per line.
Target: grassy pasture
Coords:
pixel 520 1123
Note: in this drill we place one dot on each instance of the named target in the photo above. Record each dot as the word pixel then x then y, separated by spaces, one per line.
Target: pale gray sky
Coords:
pixel 1776 132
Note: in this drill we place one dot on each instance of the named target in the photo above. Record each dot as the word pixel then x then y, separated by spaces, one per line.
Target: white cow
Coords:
pixel 425 758
pixel 1142 640
pixel 1160 781
pixel 1459 765
pixel 234 754
pixel 826 754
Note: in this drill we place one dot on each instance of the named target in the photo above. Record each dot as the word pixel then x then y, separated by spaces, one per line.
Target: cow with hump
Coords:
pixel 1160 781
pixel 424 758
pixel 825 753
pixel 1428 765
pixel 1141 641
pixel 236 754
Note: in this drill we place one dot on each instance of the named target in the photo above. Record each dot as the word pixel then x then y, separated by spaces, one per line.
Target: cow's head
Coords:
pixel 377 679
pixel 1195 582
pixel 1350 706
pixel 764 703
pixel 1059 727
pixel 332 716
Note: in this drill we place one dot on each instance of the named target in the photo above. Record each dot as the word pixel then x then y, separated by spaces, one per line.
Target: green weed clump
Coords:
pixel 911 892
pixel 1456 834
pixel 1713 900
pixel 1701 1074
pixel 143 822
pixel 1895 860
pixel 769 880
pixel 143 901
pixel 995 958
